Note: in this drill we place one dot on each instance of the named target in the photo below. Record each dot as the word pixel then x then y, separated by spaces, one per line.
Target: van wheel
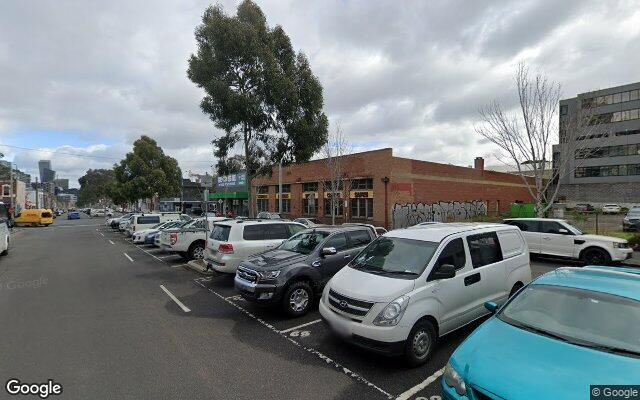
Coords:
pixel 183 254
pixel 515 288
pixel 196 251
pixel 420 343
pixel 297 299
pixel 595 256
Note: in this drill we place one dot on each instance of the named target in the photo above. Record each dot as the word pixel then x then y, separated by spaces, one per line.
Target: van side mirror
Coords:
pixel 445 271
pixel 491 306
pixel 328 251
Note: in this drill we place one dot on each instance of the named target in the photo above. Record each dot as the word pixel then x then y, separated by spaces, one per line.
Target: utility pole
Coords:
pixel 12 205
pixel 37 201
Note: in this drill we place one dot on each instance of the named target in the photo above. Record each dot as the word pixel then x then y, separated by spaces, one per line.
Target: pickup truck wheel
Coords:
pixel 196 251
pixel 595 256
pixel 420 343
pixel 183 254
pixel 297 299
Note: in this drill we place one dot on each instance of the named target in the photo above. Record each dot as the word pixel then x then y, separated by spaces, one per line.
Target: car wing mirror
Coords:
pixel 563 231
pixel 328 251
pixel 445 271
pixel 491 306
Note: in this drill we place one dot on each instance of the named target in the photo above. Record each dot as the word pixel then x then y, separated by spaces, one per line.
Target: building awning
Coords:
pixel 228 195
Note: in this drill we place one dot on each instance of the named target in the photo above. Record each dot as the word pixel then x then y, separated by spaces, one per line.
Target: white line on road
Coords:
pixel 111 241
pixel 157 258
pixel 406 395
pixel 126 255
pixel 352 374
pixel 167 256
pixel 300 326
pixel 180 266
pixel 101 233
pixel 178 302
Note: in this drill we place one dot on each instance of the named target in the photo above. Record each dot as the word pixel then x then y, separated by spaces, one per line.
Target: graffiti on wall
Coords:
pixel 410 214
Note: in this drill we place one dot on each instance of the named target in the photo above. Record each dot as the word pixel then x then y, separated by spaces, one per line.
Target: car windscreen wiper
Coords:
pixel 403 273
pixel 610 349
pixel 541 331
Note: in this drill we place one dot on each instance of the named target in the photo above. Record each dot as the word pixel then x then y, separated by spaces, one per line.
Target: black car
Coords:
pixel 292 275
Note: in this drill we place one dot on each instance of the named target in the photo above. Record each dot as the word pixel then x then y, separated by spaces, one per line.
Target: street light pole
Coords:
pixel 280 186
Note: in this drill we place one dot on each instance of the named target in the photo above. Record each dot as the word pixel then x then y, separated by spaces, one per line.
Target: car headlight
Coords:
pixel 392 313
pixel 453 379
pixel 269 274
pixel 620 245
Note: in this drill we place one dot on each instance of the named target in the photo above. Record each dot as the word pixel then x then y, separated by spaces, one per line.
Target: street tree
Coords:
pixel 335 152
pixel 146 172
pixel 93 186
pixel 258 91
pixel 525 137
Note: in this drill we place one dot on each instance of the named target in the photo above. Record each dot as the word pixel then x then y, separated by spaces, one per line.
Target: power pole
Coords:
pixel 280 186
pixel 37 201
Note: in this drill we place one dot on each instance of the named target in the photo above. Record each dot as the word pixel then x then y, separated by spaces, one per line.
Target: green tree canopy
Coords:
pixel 258 90
pixel 94 184
pixel 145 172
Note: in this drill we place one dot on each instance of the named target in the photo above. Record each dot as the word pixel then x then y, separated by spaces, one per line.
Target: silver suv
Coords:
pixel 233 241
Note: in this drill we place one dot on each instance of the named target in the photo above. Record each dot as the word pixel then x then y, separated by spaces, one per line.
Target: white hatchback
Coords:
pixel 411 286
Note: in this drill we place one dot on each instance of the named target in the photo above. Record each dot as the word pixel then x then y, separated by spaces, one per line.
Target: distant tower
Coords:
pixel 46 173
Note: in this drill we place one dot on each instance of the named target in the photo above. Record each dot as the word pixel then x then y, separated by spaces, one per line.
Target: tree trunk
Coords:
pixel 246 134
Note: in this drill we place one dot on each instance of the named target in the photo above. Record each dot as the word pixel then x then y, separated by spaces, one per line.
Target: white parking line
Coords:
pixel 300 326
pixel 178 302
pixel 167 256
pixel 179 266
pixel 126 255
pixel 102 234
pixel 406 395
pixel 157 258
pixel 353 375
pixel 111 241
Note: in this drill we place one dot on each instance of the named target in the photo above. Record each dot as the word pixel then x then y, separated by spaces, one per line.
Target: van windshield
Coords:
pixel 397 257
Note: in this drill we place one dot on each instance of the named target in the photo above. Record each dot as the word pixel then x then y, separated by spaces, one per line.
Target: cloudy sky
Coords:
pixel 89 77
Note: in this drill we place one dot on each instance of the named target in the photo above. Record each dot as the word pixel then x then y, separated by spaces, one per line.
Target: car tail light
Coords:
pixel 173 238
pixel 225 248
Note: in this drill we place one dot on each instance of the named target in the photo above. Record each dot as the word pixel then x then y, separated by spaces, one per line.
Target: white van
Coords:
pixel 4 229
pixel 411 286
pixel 145 221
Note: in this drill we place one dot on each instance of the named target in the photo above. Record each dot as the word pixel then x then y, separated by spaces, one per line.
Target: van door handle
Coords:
pixel 471 279
pixel 546 238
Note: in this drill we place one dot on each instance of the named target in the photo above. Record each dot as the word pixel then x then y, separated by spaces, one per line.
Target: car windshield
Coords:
pixel 304 242
pixel 582 317
pixel 634 214
pixel 396 257
pixel 220 232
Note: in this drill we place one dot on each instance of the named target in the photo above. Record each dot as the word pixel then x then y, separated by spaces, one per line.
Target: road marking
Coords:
pixel 126 255
pixel 406 395
pixel 101 233
pixel 180 266
pixel 111 241
pixel 236 297
pixel 353 375
pixel 178 302
pixel 157 258
pixel 295 328
pixel 167 256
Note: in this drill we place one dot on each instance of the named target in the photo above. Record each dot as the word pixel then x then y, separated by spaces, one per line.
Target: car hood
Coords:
pixel 273 259
pixel 602 238
pixel 366 286
pixel 516 364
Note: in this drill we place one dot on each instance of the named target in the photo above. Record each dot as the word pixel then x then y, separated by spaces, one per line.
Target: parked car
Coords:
pixel 411 286
pixel 268 215
pixel 114 223
pixel 123 224
pixel 143 221
pixel 34 217
pixel 567 330
pixel 4 229
pixel 611 209
pixel 188 241
pixel 308 222
pixel 97 212
pixel 232 241
pixel 292 275
pixel 558 238
pixel 584 207
pixel 142 236
pixel 73 215
pixel 631 221
pixel 380 230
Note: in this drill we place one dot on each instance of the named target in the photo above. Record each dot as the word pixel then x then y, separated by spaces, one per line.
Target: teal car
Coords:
pixel 567 330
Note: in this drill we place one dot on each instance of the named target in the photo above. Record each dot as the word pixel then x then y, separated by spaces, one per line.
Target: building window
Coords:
pixel 362 208
pixel 621 97
pixel 338 205
pixel 263 205
pixel 608 151
pixel 286 198
pixel 564 110
pixel 263 189
pixel 362 184
pixel 6 190
pixel 310 187
pixel 607 170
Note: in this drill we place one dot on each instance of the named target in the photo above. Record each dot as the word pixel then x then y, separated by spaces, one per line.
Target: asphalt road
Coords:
pixel 81 305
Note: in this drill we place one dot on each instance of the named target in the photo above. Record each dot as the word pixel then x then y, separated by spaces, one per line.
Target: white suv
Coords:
pixel 234 241
pixel 557 237
pixel 411 286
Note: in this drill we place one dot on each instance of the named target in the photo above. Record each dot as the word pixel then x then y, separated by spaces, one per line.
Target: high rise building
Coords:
pixel 62 183
pixel 600 141
pixel 46 173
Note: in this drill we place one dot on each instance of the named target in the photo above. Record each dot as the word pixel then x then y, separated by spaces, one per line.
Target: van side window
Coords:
pixel 453 254
pixel 338 241
pixel 254 232
pixel 525 226
pixel 145 220
pixel 511 243
pixel 277 231
pixel 484 249
pixel 550 227
pixel 359 238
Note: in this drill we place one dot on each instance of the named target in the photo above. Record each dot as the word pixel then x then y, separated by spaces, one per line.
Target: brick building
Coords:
pixel 390 191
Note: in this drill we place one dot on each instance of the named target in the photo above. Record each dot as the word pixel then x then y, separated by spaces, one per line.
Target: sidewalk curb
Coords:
pixel 200 267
